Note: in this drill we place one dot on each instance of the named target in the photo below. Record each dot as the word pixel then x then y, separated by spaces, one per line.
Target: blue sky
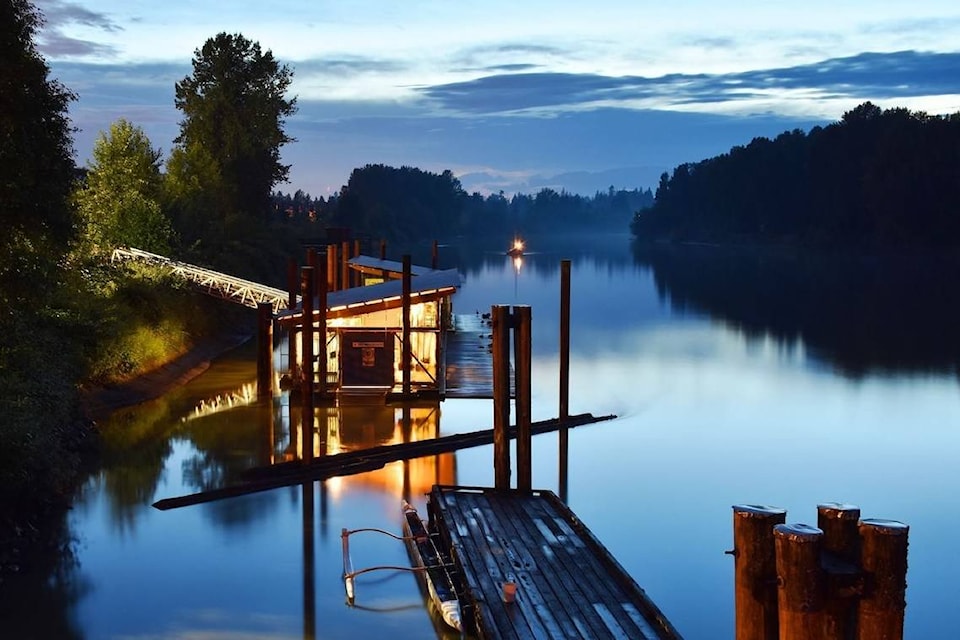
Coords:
pixel 516 95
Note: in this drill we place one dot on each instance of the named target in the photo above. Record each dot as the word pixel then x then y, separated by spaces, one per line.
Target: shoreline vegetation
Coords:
pixel 876 180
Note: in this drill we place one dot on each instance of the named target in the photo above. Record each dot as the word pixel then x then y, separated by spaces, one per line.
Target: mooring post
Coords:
pixel 293 284
pixel 333 264
pixel 322 333
pixel 312 261
pixel 883 556
pixel 522 348
pixel 801 583
pixel 406 362
pixel 306 415
pixel 383 249
pixel 264 349
pixel 344 266
pixel 309 563
pixel 564 340
pixel 435 256
pixel 841 558
pixel 564 409
pixel 755 571
pixel 500 324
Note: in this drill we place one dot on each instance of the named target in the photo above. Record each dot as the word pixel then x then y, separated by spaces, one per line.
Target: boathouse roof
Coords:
pixel 369 264
pixel 430 285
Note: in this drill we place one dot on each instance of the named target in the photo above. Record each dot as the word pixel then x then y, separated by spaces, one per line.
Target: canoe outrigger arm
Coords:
pixel 348 571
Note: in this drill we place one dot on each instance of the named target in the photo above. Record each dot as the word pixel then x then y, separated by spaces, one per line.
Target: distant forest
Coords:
pixel 408 204
pixel 875 179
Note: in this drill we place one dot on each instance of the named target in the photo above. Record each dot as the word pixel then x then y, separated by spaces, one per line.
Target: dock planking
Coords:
pixel 469 363
pixel 568 584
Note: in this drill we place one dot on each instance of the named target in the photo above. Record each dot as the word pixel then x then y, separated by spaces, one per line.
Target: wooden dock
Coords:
pixel 469 368
pixel 567 584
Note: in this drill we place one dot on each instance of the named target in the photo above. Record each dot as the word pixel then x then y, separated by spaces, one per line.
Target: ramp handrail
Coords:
pixel 221 285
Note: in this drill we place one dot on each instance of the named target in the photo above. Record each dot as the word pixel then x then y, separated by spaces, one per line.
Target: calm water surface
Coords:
pixel 736 380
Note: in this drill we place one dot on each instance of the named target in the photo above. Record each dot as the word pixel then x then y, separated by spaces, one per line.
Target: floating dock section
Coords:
pixel 567 585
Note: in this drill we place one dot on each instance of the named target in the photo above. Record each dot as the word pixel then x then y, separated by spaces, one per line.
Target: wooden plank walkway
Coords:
pixel 469 368
pixel 568 584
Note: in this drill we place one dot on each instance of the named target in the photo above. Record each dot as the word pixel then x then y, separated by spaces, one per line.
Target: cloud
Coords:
pixel 57 14
pixel 864 76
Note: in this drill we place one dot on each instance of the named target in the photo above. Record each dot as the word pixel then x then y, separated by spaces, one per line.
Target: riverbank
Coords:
pixel 40 539
pixel 100 402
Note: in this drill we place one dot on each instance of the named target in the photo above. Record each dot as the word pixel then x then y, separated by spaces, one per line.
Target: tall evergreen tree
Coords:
pixel 233 127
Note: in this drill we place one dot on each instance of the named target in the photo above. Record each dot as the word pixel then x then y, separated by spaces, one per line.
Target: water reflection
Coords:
pixel 858 315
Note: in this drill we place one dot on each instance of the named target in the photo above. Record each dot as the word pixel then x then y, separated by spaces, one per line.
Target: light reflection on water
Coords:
pixel 709 417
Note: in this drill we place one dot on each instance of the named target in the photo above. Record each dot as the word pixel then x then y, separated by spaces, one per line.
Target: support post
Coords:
pixel 564 340
pixel 312 260
pixel 333 263
pixel 344 269
pixel 264 349
pixel 500 324
pixel 564 408
pixel 755 572
pixel 306 415
pixel 801 591
pixel 406 362
pixel 522 358
pixel 883 557
pixel 293 284
pixel 841 558
pixel 321 280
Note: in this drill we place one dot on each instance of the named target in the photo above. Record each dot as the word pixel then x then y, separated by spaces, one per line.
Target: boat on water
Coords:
pixel 516 249
pixel 426 556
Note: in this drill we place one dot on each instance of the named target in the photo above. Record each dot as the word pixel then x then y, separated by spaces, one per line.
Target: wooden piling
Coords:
pixel 801 583
pixel 841 559
pixel 883 557
pixel 306 335
pixel 500 325
pixel 321 280
pixel 564 409
pixel 344 268
pixel 264 349
pixel 522 345
pixel 435 256
pixel 383 249
pixel 333 266
pixel 564 338
pixel 406 361
pixel 312 261
pixel 293 283
pixel 755 573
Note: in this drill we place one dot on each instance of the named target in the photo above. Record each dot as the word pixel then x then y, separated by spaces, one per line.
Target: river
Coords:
pixel 736 377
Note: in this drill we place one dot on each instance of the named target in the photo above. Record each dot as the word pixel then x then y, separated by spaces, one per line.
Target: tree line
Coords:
pixel 69 320
pixel 409 204
pixel 875 179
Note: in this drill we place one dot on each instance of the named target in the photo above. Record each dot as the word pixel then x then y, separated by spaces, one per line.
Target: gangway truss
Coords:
pixel 221 285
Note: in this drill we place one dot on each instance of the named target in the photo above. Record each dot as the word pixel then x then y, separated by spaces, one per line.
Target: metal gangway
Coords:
pixel 214 283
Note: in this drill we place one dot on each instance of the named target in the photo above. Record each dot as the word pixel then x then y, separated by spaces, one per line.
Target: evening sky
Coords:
pixel 516 95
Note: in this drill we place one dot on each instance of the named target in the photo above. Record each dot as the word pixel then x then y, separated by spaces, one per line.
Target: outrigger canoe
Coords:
pixel 425 555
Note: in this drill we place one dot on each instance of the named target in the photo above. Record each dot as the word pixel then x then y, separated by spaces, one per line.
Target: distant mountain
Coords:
pixel 585 183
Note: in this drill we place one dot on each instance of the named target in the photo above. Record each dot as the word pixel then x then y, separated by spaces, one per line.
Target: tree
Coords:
pixel 36 165
pixel 120 203
pixel 234 112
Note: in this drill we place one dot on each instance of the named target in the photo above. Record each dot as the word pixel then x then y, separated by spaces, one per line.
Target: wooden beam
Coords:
pixel 353 462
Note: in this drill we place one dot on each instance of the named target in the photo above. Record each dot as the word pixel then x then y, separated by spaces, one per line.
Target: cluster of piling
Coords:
pixel 844 579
